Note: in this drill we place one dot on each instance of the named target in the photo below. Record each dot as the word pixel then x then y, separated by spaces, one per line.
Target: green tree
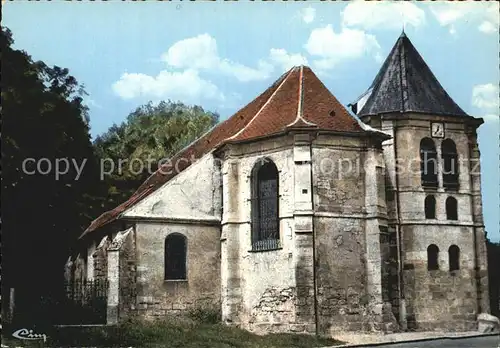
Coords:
pixel 43 119
pixel 149 134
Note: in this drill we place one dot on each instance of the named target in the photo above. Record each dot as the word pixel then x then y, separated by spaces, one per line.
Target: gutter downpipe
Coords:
pixel 474 229
pixel 316 319
pixel 404 97
pixel 402 301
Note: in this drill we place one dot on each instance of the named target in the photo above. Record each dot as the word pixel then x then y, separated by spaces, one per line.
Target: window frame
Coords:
pixel 451 208
pixel 454 259
pixel 167 276
pixel 264 169
pixel 428 180
pixel 449 157
pixel 433 254
pixel 430 207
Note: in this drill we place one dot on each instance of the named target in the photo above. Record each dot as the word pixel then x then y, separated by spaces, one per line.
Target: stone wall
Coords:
pixel 337 277
pixel 157 297
pixel 100 257
pixel 339 198
pixel 90 259
pixel 192 195
pixel 341 213
pixel 341 275
pixel 260 291
pixel 121 276
pixel 127 276
pixel 350 207
pixel 439 299
pixel 80 266
pixel 482 278
pixel 434 299
pixel 338 174
pixel 189 204
pixel 68 269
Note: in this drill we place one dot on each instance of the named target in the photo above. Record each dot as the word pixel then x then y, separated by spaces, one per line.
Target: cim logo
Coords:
pixel 25 334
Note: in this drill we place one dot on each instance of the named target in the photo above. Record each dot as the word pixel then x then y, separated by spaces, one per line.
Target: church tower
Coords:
pixel 433 185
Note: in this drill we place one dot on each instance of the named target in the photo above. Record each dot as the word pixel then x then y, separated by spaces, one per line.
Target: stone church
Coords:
pixel 297 215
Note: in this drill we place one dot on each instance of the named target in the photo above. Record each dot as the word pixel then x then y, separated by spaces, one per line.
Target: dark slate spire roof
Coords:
pixel 405 84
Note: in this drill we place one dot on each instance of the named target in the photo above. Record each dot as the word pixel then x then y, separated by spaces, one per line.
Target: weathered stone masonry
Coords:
pixel 436 299
pixel 350 241
pixel 350 210
pixel 157 297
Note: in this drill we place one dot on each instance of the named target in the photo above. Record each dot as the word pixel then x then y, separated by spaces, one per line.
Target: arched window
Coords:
pixel 432 257
pixel 175 256
pixel 265 206
pixel 451 208
pixel 450 164
pixel 430 207
pixel 428 163
pixel 454 258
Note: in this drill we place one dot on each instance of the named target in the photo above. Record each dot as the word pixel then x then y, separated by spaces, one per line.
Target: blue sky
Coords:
pixel 220 55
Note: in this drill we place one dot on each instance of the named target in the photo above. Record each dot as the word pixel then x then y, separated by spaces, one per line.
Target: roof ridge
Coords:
pixel 262 107
pixel 300 107
pixel 402 75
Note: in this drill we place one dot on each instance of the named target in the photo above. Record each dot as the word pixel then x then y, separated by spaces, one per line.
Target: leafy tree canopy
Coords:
pixel 44 121
pixel 150 133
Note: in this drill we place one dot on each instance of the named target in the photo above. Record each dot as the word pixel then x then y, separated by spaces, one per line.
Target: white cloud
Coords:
pixel 187 60
pixel 488 27
pixel 187 86
pixel 244 73
pixel 486 97
pixel 198 52
pixel 483 14
pixel 446 14
pixel 286 61
pixel 201 53
pixel 308 14
pixel 382 15
pixel 331 48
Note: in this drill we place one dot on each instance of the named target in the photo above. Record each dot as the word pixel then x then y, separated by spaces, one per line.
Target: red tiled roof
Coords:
pixel 297 99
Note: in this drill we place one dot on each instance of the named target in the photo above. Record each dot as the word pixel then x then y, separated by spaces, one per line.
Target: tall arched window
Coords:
pixel 451 208
pixel 265 206
pixel 175 256
pixel 450 164
pixel 432 257
pixel 428 163
pixel 454 258
pixel 430 207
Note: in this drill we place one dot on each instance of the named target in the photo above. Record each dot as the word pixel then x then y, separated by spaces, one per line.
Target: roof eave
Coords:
pixel 399 112
pixel 475 121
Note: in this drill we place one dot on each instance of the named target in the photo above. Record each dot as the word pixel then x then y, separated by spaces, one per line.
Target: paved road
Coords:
pixel 478 342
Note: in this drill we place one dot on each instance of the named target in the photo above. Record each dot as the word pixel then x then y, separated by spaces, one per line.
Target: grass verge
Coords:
pixel 170 333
